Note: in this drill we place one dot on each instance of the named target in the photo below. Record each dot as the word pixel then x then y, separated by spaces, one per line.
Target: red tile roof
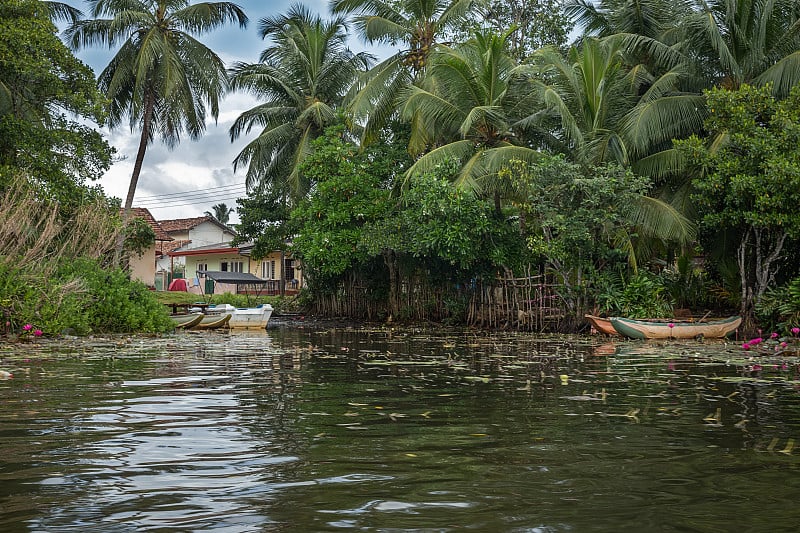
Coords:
pixel 166 247
pixel 182 224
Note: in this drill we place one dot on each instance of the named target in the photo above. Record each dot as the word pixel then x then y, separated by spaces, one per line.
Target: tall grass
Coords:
pixel 55 267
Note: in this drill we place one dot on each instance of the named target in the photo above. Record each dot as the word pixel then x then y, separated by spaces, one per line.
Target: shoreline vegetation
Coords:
pixel 489 182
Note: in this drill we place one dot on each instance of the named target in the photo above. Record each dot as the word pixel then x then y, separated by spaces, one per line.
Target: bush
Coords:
pixel 644 295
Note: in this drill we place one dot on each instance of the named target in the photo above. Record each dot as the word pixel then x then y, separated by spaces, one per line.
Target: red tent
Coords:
pixel 178 284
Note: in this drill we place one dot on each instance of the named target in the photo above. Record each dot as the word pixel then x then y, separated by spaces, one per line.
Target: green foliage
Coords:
pixel 347 195
pixel 533 23
pixel 445 223
pixel 161 78
pixel 264 220
pixel 139 236
pixel 750 185
pixel 644 295
pixel 780 306
pixel 81 297
pixel 754 178
pixel 573 219
pixel 41 82
pixel 112 302
pixel 687 286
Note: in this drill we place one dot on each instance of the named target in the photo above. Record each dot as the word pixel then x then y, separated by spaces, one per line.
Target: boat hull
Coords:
pixel 250 317
pixel 648 329
pixel 603 325
pixel 214 321
pixel 187 321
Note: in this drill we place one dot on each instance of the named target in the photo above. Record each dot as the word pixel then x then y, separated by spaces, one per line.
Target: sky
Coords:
pixel 189 179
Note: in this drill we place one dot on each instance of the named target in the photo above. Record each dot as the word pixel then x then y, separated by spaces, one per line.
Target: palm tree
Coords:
pixel 654 19
pixel 61 11
pixel 300 80
pixel 161 78
pixel 418 27
pixel 221 213
pixel 733 42
pixel 466 109
pixel 595 107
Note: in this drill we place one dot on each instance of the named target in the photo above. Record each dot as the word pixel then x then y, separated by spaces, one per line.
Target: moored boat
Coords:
pixel 187 321
pixel 666 329
pixel 250 317
pixel 603 325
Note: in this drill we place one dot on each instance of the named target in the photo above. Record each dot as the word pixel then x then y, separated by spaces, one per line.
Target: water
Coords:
pixel 310 428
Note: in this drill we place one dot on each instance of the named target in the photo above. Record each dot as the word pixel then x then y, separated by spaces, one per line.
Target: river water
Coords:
pixel 308 427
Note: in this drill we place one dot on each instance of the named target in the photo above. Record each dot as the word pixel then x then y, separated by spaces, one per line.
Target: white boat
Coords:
pixel 250 317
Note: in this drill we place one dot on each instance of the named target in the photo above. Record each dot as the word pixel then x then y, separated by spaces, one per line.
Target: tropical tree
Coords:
pixel 749 187
pixel 533 23
pixel 162 78
pixel 596 108
pixel 654 19
pixel 47 99
pixel 417 27
pixel 221 213
pixel 300 81
pixel 465 110
pixel 736 42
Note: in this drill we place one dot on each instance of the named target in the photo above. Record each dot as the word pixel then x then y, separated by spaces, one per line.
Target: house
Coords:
pixel 188 233
pixel 143 266
pixel 226 258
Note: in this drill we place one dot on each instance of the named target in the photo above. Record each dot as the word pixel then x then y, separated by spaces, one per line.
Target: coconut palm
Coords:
pixel 733 42
pixel 417 26
pixel 161 78
pixel 466 109
pixel 655 19
pixel 221 213
pixel 595 108
pixel 60 11
pixel 300 80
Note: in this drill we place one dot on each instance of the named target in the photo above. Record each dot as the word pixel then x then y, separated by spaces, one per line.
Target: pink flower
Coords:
pixel 38 333
pixel 757 340
pixel 795 331
pixel 784 345
pixel 756 368
pixel 745 346
pixel 671 325
pixel 27 327
pixel 773 335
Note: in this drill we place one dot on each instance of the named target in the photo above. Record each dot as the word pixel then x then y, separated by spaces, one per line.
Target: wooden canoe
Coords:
pixel 660 329
pixel 603 325
pixel 187 321
pixel 214 321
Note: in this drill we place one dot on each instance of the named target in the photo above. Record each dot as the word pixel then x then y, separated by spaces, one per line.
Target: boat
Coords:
pixel 250 317
pixel 186 321
pixel 603 325
pixel 214 321
pixel 666 329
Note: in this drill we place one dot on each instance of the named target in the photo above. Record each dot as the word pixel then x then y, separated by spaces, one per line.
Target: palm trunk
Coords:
pixel 137 169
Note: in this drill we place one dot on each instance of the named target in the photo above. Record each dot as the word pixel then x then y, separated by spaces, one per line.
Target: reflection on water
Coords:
pixel 321 429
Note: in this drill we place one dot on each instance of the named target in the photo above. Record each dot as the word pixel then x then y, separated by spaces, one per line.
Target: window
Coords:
pixel 202 266
pixel 232 266
pixel 289 270
pixel 267 269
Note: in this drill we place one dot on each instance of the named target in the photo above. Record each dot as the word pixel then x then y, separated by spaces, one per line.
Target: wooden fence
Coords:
pixel 526 303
